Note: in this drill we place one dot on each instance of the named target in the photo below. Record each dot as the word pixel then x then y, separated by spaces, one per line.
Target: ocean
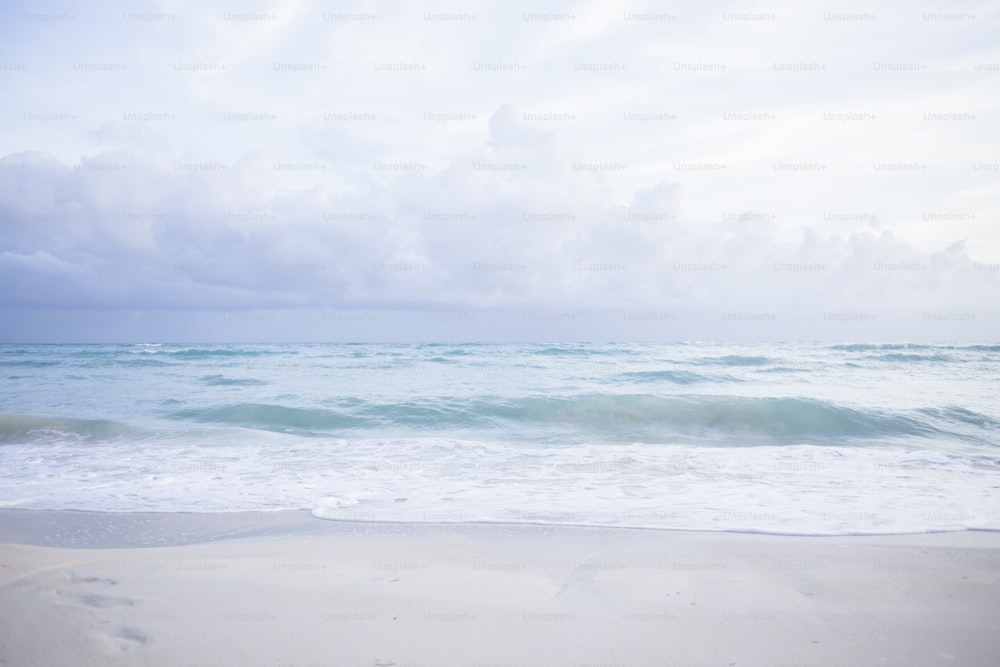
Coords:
pixel 811 439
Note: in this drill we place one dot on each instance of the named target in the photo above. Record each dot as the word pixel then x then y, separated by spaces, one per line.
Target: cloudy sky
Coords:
pixel 326 171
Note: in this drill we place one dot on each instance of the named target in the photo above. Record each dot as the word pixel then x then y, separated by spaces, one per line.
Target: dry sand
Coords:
pixel 289 590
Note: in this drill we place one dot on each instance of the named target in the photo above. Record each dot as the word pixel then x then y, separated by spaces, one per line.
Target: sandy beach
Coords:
pixel 286 589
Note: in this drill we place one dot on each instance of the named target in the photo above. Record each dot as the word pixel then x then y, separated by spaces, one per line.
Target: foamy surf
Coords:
pixel 328 506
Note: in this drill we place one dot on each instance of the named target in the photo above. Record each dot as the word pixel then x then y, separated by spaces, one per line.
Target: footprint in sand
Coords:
pixel 94 580
pixel 124 640
pixel 84 591
pixel 92 593
pixel 104 601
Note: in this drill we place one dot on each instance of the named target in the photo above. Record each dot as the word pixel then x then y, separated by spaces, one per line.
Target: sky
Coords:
pixel 495 171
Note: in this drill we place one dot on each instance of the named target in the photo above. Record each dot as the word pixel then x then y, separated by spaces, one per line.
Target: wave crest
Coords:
pixel 713 419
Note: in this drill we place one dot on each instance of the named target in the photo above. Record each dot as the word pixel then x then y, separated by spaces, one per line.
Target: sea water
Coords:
pixel 784 438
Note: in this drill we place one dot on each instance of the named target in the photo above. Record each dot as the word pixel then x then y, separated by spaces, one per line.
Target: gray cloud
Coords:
pixel 652 201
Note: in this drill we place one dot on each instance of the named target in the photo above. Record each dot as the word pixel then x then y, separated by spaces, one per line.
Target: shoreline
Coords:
pixel 90 529
pixel 290 589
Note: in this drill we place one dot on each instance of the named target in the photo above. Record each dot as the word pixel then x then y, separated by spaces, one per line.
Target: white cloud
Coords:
pixel 301 176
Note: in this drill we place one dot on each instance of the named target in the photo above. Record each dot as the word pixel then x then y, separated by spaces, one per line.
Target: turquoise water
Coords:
pixel 799 438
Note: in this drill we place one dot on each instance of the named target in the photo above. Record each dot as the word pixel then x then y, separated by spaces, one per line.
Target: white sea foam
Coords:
pixel 326 507
pixel 788 489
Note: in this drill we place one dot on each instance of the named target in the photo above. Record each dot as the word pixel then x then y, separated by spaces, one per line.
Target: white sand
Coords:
pixel 440 595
